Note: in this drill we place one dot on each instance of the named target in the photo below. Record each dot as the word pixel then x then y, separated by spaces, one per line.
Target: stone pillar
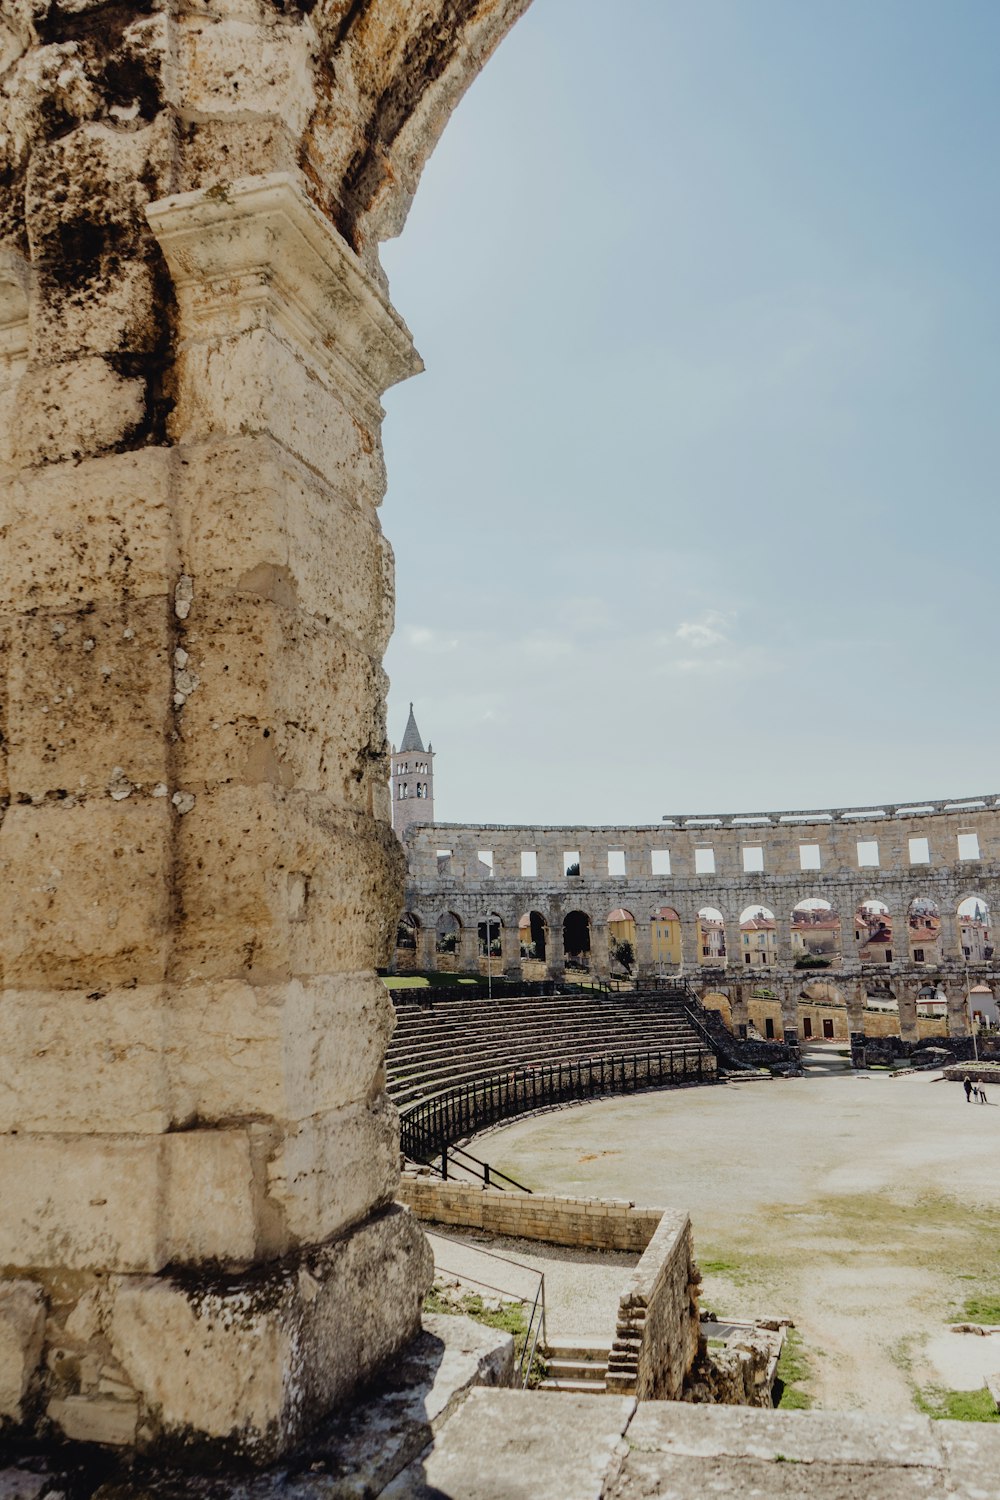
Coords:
pixel 958 1008
pixel 645 964
pixel 194 587
pixel 555 955
pixel 428 949
pixel 906 998
pixel 510 944
pixel 600 958
pixel 857 995
pixel 468 948
pixel 740 1010
pixel 783 940
pixel 790 1015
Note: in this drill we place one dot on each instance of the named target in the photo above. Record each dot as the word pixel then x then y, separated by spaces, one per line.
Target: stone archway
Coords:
pixel 195 202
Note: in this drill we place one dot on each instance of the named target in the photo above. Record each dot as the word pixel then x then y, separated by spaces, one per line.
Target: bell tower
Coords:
pixel 412 780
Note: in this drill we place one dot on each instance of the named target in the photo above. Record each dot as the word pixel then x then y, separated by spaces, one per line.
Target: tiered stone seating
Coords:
pixel 463 1039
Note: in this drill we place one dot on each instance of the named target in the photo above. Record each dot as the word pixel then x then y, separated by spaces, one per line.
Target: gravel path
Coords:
pixel 581 1287
pixel 865 1207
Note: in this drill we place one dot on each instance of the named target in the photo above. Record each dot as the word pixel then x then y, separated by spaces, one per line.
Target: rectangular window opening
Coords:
pixel 920 852
pixel 809 857
pixel 867 853
pixel 571 861
pixel 616 861
pixel 529 864
pixel 968 846
pixel 443 861
pixel 485 857
pixel 659 861
pixel 704 861
pixel 753 858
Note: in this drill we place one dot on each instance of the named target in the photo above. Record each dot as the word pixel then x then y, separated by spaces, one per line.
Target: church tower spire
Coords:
pixel 411 783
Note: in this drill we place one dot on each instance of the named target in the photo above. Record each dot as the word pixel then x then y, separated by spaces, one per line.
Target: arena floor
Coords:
pixel 865 1207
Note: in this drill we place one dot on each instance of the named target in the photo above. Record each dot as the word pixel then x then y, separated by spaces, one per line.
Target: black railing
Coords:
pixel 430 1127
pixel 480 1170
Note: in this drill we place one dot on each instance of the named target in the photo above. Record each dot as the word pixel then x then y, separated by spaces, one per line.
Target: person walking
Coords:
pixel 982 1094
pixel 967 1086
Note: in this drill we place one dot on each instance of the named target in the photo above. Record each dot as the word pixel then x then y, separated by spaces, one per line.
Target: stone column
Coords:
pixel 906 998
pixel 645 964
pixel 555 956
pixel 468 948
pixel 740 1010
pixel 790 1016
pixel 857 995
pixel 958 1008
pixel 510 944
pixel 600 959
pixel 428 949
pixel 194 595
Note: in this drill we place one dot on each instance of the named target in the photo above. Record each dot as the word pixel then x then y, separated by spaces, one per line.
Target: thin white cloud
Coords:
pixel 424 638
pixel 710 630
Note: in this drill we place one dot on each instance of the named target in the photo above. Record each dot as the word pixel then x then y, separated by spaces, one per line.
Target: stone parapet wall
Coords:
pixel 657 1332
pixel 586 1223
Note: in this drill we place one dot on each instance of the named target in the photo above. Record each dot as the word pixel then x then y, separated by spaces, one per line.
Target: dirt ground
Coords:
pixel 865 1207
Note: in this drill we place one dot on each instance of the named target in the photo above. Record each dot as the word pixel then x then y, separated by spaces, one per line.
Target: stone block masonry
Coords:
pixel 197 874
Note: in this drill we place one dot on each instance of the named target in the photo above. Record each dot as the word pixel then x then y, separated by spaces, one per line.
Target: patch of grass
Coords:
pixel 509 1317
pixel 793 1370
pixel 982 1309
pixel 425 981
pixel 956 1406
pixel 719 1267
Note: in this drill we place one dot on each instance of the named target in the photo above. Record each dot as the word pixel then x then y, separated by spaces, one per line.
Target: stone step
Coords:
pixel 575 1369
pixel 576 1387
pixel 576 1349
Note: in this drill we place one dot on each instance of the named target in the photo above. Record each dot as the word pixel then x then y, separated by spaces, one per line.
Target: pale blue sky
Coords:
pixel 694 508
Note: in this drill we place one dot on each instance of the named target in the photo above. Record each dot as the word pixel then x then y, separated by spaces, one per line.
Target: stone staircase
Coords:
pixel 578 1365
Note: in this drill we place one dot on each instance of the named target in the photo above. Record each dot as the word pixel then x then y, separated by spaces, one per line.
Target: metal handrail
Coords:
pixel 432 1125
pixel 488 1173
pixel 534 1329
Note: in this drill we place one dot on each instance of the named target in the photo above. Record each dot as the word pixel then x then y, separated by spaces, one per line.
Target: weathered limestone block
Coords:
pixel 100 532
pixel 83 892
pixel 355 1148
pixel 276 696
pixel 22 1328
pixel 135 1203
pixel 253 1361
pixel 89 700
pixel 285 881
pixel 75 411
pixel 150 1059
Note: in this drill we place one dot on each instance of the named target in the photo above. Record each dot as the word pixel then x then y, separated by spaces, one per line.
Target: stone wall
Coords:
pixel 587 1223
pixel 197 872
pixel 657 1332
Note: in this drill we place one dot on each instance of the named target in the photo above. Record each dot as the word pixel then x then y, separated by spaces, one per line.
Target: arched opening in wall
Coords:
pixel 815 930
pixel 715 1000
pixel 983 1008
pixel 407 954
pixel 711 936
pixel 758 938
pixel 666 940
pixel 621 941
pixel 881 1016
pixel 932 1010
pixel 447 934
pixel 873 932
pixel 533 941
pixel 576 940
pixel 822 1013
pixel 923 932
pixel 974 930
pixel 490 937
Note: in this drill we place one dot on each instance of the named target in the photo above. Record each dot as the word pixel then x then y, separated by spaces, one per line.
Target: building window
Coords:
pixel 616 861
pixel 918 955
pixel 753 859
pixel 968 846
pixel 920 852
pixel 769 1029
pixel 809 858
pixel 529 864
pixel 867 852
pixel 807 1027
pixel 828 1029
pixel 704 861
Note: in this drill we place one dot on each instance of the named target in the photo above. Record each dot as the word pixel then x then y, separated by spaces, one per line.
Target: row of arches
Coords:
pixel 819 937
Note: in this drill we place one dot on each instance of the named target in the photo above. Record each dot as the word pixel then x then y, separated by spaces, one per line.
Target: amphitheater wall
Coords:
pixel 584 1223
pixel 657 1328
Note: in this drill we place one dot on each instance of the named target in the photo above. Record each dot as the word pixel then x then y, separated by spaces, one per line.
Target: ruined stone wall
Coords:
pixel 197 871
pixel 587 1223
pixel 657 1332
